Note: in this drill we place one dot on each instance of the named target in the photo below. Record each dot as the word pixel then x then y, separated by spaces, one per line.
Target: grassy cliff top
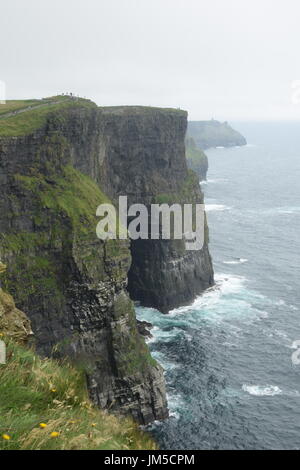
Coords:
pixel 22 117
pixel 45 406
pixel 146 110
pixel 16 105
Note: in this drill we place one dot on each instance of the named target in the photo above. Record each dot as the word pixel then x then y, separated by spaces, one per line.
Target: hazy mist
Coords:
pixel 233 59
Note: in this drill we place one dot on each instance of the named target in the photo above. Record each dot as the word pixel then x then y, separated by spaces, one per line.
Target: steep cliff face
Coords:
pixel 196 159
pixel 214 134
pixel 71 284
pixel 144 158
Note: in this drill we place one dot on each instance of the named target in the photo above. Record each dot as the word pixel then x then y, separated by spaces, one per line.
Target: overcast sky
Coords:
pixel 233 59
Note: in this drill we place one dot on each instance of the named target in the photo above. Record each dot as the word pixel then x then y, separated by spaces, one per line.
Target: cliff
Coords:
pixel 143 157
pixel 214 134
pixel 58 162
pixel 40 397
pixel 196 159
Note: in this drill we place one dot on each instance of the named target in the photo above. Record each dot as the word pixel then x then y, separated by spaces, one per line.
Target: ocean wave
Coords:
pixel 216 207
pixel 175 404
pixel 283 303
pixel 214 181
pixel 288 210
pixel 238 261
pixel 165 335
pixel 268 390
pixel 228 283
pixel 280 302
pixel 225 284
pixel 262 390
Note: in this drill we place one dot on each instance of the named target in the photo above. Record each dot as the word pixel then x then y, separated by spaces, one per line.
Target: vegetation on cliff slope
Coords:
pixel 196 158
pixel 19 118
pixel 44 405
pixel 63 208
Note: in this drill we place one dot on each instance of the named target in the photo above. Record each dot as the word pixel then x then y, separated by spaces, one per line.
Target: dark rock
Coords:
pixel 144 327
pixel 143 157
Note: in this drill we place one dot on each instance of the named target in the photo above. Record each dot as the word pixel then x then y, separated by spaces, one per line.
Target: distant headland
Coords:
pixel 213 133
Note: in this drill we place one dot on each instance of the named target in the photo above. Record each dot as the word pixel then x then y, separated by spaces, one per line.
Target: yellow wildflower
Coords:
pixel 54 434
pixel 43 425
pixel 6 437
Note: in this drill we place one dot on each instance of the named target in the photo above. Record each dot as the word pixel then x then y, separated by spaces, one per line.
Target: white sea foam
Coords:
pixel 288 210
pixel 214 181
pixel 228 283
pixel 238 261
pixel 224 284
pixel 280 302
pixel 268 390
pixel 175 404
pixel 216 207
pixel 262 390
pixel 281 334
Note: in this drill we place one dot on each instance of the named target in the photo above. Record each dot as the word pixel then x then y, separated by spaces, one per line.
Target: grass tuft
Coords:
pixel 44 405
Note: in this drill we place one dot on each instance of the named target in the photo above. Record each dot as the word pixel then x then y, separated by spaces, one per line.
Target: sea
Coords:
pixel 230 358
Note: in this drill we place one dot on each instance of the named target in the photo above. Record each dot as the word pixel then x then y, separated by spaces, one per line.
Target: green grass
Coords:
pixel 71 193
pixel 30 120
pixel 63 209
pixel 17 105
pixel 27 122
pixel 185 195
pixel 131 110
pixel 35 391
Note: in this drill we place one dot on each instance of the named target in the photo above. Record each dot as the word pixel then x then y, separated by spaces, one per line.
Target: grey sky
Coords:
pixel 227 59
